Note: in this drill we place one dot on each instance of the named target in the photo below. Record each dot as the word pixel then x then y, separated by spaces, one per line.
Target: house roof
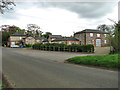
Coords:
pixel 72 39
pixel 59 39
pixel 65 39
pixel 45 40
pixel 55 36
pixel 90 31
pixel 18 34
pixel 39 37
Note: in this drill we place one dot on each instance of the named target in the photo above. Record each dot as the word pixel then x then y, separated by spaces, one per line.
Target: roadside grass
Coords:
pixel 0 85
pixel 109 61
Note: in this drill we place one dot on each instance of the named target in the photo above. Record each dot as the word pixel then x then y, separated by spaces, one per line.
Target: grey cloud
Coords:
pixel 83 9
pixel 87 10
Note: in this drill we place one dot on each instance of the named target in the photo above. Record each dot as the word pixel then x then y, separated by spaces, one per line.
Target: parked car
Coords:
pixel 14 46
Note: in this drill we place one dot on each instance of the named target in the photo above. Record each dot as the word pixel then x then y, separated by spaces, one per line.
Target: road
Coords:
pixel 26 71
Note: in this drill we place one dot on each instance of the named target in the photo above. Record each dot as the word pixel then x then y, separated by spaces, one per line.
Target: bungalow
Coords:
pixel 66 40
pixel 72 40
pixel 53 37
pixel 96 37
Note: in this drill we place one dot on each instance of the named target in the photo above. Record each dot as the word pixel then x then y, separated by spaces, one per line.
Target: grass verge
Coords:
pixel 109 61
pixel 0 85
pixel 5 83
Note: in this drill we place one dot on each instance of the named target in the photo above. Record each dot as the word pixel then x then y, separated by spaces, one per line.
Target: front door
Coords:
pixel 98 42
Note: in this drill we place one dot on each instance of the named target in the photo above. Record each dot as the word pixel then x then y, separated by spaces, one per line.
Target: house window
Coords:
pixel 93 41
pixel 91 34
pixel 30 38
pixel 20 38
pixel 98 35
pixel 89 42
pixel 37 41
pixel 69 43
pixel 105 41
pixel 105 35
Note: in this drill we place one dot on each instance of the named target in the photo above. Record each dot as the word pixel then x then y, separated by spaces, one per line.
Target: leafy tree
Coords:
pixel 5 36
pixel 19 30
pixel 8 30
pixel 47 34
pixel 116 38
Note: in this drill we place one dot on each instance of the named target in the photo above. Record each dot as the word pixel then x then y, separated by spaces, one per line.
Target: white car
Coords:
pixel 14 46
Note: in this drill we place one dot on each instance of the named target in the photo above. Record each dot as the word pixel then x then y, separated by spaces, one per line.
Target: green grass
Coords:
pixel 110 61
pixel 0 85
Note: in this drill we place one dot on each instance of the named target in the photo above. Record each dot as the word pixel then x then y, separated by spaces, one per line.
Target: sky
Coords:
pixel 61 18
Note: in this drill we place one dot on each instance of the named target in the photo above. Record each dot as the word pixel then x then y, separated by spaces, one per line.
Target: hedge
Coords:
pixel 63 47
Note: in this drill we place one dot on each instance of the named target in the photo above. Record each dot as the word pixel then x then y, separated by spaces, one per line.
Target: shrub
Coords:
pixel 28 45
pixel 63 47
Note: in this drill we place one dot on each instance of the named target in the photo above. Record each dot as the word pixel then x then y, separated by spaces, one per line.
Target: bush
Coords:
pixel 63 47
pixel 28 45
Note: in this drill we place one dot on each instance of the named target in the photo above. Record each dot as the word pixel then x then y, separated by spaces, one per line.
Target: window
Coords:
pixel 98 35
pixel 20 38
pixel 30 38
pixel 91 34
pixel 69 43
pixel 77 42
pixel 89 42
pixel 105 41
pixel 37 41
pixel 105 35
pixel 93 41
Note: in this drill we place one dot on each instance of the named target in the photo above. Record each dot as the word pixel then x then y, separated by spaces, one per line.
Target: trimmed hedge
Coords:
pixel 28 45
pixel 63 47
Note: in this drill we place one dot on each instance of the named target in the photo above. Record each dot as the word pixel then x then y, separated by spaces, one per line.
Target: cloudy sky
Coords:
pixel 61 18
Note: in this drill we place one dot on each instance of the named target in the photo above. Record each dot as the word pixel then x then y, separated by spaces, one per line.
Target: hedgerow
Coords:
pixel 63 47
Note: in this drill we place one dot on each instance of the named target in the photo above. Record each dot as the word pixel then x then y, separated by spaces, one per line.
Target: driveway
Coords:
pixel 51 55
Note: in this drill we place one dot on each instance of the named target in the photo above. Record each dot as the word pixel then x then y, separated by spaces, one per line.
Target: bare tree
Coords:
pixel 33 28
pixel 6 5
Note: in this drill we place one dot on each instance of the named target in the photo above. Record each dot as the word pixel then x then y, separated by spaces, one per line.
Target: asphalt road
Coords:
pixel 30 72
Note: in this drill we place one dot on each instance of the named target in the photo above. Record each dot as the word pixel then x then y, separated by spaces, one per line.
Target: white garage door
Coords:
pixel 98 42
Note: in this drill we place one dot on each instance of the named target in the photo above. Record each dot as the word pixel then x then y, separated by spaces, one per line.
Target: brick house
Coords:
pixel 95 37
pixel 53 37
pixel 72 40
pixel 32 40
pixel 15 39
pixel 66 40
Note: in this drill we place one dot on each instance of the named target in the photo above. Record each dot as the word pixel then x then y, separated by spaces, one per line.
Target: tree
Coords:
pixel 7 30
pixel 116 37
pixel 35 29
pixel 6 5
pixel 19 30
pixel 106 28
pixel 47 34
